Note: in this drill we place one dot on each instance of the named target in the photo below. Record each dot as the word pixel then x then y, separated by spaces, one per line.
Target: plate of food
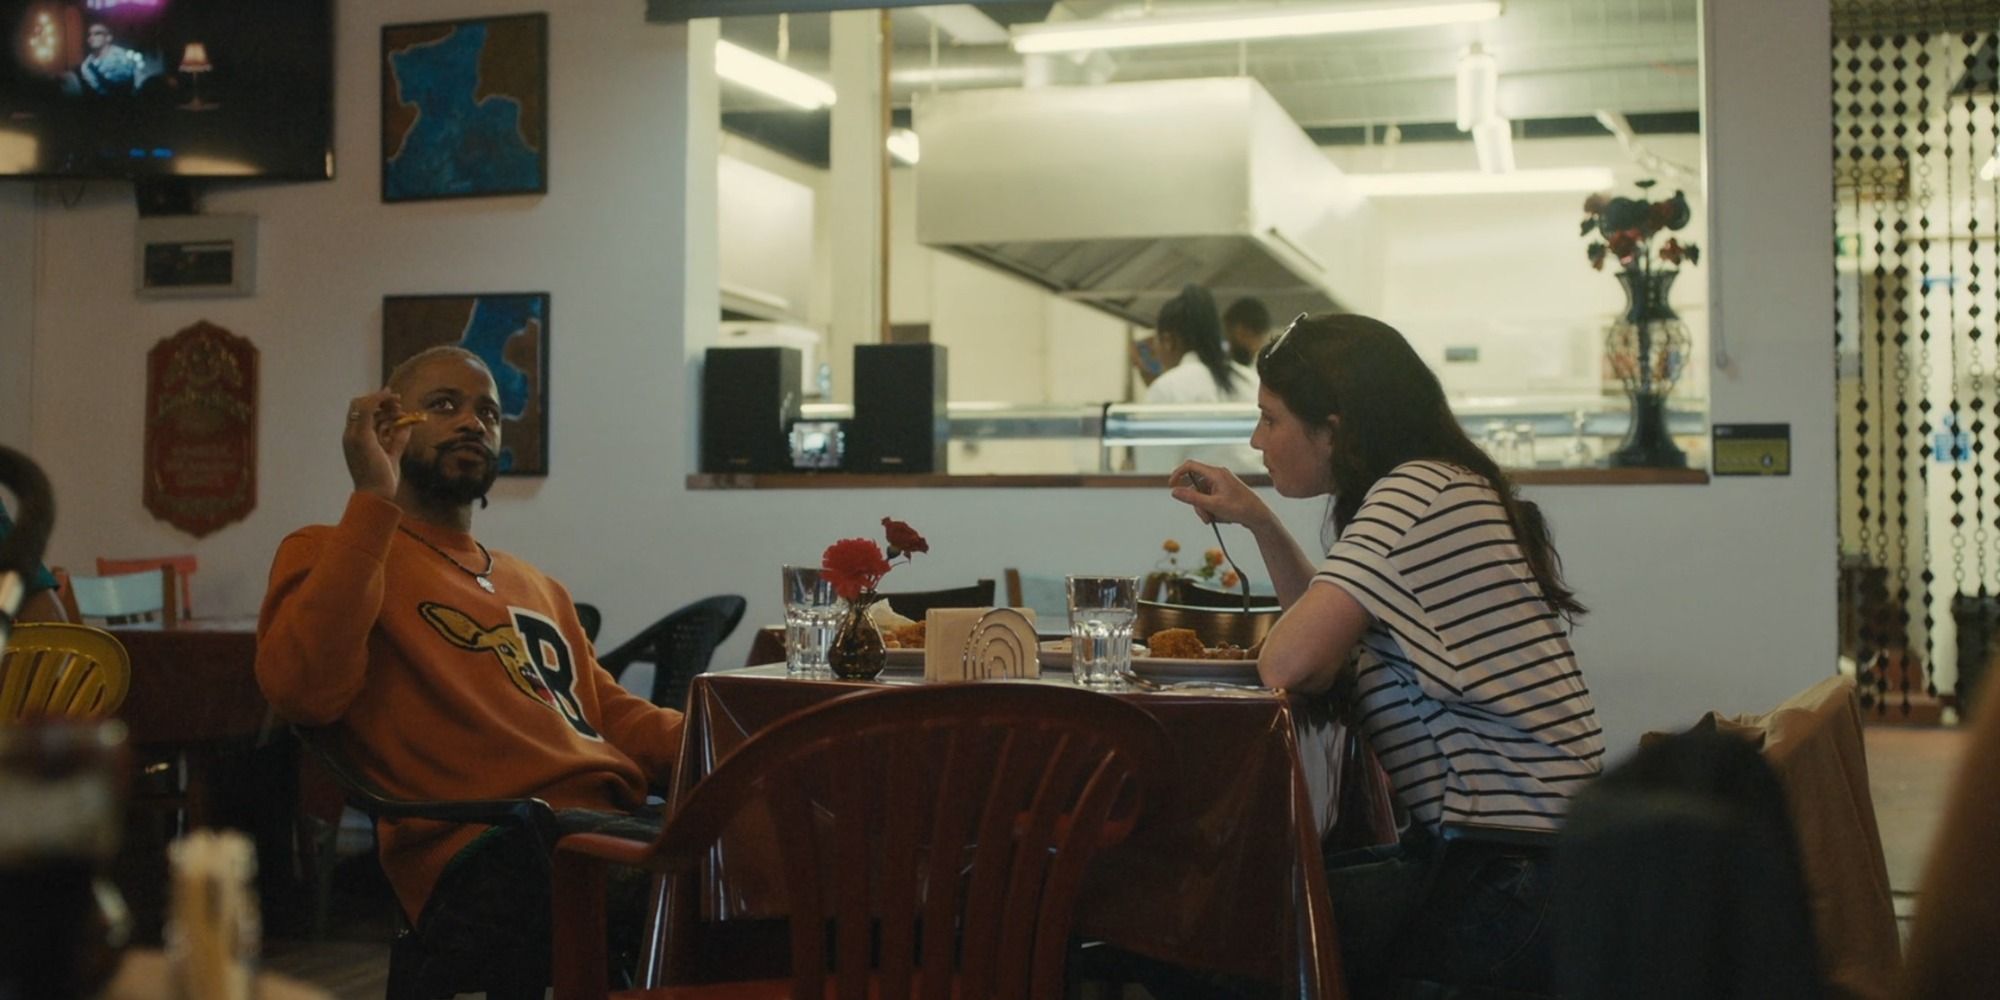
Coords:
pixel 1171 655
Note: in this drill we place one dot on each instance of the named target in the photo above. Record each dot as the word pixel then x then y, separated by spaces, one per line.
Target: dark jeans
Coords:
pixel 1434 917
pixel 488 917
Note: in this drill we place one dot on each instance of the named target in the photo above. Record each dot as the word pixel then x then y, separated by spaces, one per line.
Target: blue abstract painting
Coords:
pixel 465 108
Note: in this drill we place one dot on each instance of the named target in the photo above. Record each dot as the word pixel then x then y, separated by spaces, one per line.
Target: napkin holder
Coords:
pixel 976 644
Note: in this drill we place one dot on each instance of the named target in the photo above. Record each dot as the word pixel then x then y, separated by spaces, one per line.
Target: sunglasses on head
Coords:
pixel 1279 340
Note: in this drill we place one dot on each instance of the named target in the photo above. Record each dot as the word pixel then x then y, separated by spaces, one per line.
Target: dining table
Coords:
pixel 193 696
pixel 1223 876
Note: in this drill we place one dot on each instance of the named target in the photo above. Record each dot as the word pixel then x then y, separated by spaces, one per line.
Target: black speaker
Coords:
pixel 749 398
pixel 901 422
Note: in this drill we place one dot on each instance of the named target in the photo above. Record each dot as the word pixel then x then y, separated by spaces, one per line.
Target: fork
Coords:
pixel 1242 579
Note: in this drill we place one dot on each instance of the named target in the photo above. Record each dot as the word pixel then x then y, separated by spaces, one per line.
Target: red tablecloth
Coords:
pixel 1223 876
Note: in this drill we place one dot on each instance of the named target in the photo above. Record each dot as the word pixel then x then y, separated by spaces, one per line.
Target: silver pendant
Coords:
pixel 484 583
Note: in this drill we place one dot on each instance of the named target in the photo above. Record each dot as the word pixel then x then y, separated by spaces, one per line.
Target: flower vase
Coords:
pixel 857 653
pixel 1647 348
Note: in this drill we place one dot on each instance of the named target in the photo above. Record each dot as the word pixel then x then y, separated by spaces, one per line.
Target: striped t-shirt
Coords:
pixel 1468 688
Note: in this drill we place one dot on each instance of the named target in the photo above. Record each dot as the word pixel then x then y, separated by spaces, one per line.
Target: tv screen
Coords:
pixel 167 88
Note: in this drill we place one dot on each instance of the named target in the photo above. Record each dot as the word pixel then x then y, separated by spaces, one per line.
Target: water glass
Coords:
pixel 1101 612
pixel 812 611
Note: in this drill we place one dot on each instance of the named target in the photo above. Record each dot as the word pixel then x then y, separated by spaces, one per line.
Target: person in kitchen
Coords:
pixel 1196 369
pixel 1247 323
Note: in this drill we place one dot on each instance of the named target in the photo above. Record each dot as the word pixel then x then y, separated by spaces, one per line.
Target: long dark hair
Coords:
pixel 1190 318
pixel 1392 410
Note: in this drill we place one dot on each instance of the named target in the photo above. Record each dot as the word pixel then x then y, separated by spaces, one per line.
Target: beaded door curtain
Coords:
pixel 1916 233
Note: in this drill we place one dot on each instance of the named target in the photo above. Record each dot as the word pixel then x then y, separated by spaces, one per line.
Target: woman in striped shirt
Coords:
pixel 1441 617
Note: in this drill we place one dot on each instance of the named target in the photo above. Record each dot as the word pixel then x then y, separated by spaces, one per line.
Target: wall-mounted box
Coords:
pixel 184 256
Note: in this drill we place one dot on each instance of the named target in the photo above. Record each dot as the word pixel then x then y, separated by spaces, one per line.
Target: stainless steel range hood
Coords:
pixel 1116 195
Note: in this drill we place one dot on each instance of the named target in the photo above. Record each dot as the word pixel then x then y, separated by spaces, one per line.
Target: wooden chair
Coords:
pixel 912 604
pixel 182 566
pixel 1047 596
pixel 75 671
pixel 930 836
pixel 679 646
pixel 147 595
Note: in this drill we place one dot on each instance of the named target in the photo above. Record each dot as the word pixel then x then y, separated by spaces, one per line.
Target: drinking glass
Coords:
pixel 812 610
pixel 1101 612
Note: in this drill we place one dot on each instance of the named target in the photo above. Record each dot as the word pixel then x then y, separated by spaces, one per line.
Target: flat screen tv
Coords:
pixel 167 88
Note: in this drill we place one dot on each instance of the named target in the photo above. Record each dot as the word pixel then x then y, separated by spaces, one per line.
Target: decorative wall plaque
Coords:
pixel 201 429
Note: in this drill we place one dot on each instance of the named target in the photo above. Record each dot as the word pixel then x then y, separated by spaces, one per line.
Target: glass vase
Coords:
pixel 857 653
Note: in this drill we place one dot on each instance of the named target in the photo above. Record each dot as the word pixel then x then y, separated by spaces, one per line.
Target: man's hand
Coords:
pixel 374 443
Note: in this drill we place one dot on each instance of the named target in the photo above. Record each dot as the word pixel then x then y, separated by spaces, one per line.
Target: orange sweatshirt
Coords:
pixel 444 691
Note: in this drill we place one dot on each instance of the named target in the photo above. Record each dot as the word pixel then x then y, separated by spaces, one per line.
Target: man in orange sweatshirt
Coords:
pixel 451 671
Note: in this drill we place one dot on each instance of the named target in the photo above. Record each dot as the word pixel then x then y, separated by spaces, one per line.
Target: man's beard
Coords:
pixel 433 483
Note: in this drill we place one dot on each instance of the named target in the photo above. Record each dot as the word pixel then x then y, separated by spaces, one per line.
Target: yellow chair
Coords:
pixel 49 669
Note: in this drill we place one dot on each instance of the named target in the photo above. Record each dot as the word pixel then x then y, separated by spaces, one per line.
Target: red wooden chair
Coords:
pixel 933 838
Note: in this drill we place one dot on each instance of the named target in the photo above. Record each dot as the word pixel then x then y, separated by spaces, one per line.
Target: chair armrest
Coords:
pixel 531 814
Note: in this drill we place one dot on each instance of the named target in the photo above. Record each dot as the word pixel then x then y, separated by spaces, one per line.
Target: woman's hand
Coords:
pixel 373 445
pixel 1217 495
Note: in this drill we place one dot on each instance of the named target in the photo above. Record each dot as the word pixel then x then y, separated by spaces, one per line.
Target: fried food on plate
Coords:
pixel 909 636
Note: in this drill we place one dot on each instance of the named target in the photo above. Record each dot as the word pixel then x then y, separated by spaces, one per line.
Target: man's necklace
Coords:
pixel 478 576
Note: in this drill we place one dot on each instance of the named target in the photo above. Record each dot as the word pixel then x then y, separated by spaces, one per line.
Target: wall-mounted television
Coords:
pixel 166 88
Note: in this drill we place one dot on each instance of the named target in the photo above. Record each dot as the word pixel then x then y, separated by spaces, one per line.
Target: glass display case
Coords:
pixel 1109 438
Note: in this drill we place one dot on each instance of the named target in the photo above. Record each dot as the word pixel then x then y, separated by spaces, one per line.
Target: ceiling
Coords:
pixel 1558 59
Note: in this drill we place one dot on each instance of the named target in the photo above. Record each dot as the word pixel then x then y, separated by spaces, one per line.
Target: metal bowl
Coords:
pixel 1214 626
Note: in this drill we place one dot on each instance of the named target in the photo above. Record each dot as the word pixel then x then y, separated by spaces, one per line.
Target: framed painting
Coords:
pixel 465 108
pixel 510 331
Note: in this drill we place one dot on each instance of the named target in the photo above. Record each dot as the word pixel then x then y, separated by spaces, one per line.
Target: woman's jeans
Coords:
pixel 1432 914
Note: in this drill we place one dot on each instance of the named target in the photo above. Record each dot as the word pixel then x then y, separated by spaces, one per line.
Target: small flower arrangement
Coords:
pixel 1628 227
pixel 856 566
pixel 1213 568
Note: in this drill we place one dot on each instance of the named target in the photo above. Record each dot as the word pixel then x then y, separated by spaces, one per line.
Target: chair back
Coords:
pixel 147 595
pixel 941 833
pixel 1677 875
pixel 679 646
pixel 73 671
pixel 1046 596
pixel 914 603
pixel 1813 742
pixel 182 566
pixel 590 618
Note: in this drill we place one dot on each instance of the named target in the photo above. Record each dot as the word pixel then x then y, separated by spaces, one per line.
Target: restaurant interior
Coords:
pixel 812 268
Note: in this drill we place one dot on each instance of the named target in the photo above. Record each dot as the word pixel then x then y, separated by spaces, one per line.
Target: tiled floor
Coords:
pixel 1910 771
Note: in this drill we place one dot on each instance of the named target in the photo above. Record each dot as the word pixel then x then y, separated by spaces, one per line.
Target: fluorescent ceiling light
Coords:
pixel 1473 182
pixel 771 77
pixel 1242 25
pixel 903 145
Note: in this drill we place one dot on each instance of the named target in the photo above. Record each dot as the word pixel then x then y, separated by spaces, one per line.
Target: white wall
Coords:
pixel 1706 596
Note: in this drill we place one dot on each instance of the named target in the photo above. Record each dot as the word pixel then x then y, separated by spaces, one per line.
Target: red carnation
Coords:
pixel 903 539
pixel 854 566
